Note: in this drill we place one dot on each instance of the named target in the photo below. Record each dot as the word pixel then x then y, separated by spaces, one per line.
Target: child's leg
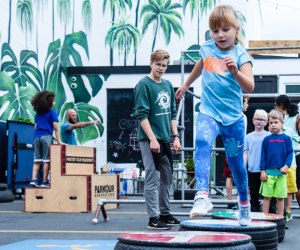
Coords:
pixel 266 204
pixel 207 131
pixel 298 179
pixel 46 171
pixel 233 138
pixel 298 197
pixel 254 185
pixel 280 205
pixel 38 158
pixel 46 143
pixel 35 170
pixel 288 202
pixel 229 188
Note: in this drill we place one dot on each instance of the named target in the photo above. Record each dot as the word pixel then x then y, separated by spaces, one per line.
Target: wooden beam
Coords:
pixel 274 47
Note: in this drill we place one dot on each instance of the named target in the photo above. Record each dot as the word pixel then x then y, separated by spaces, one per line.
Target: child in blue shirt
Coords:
pixel 226 71
pixel 276 158
pixel 46 121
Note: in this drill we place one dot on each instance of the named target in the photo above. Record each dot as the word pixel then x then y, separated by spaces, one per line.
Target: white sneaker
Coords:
pixel 201 206
pixel 243 215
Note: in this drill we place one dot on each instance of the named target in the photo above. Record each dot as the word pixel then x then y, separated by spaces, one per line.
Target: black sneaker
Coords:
pixel 235 207
pixel 157 224
pixel 169 220
pixel 232 206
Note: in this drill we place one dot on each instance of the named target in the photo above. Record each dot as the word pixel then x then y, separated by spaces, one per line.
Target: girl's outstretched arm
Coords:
pixel 196 72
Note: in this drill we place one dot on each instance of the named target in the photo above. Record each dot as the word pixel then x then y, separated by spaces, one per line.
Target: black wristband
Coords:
pixel 176 136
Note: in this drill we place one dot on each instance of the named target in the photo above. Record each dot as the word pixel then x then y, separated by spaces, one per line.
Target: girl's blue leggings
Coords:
pixel 233 138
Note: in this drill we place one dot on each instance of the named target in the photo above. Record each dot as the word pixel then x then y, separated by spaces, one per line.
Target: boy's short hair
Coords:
pixel 160 54
pixel 277 114
pixel 261 112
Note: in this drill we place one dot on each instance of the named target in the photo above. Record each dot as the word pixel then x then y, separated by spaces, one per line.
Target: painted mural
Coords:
pixel 39 39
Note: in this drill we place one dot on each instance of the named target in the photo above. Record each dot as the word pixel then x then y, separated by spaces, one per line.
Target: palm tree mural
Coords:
pixel 73 16
pixel 86 13
pixel 25 17
pixel 64 12
pixel 40 6
pixel 163 14
pixel 136 24
pixel 123 35
pixel 53 24
pixel 9 23
pixel 115 5
pixel 243 21
pixel 198 7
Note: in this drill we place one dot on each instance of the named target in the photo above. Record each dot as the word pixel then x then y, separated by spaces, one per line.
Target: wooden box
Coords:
pixel 78 160
pixel 104 186
pixel 71 193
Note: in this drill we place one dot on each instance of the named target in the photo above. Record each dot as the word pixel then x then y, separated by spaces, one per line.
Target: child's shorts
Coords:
pixel 291 181
pixel 41 148
pixel 274 186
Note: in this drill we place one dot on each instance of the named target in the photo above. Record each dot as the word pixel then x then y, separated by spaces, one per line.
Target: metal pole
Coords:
pixel 182 131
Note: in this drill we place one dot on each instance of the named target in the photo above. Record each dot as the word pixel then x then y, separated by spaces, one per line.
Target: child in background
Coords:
pixel 252 153
pixel 226 71
pixel 276 158
pixel 292 120
pixel 156 112
pixel 291 181
pixel 46 120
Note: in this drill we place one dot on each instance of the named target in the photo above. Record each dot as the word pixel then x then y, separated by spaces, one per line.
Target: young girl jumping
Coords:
pixel 226 71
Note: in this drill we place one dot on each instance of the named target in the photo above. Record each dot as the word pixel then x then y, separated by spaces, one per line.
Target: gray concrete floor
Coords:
pixel 17 225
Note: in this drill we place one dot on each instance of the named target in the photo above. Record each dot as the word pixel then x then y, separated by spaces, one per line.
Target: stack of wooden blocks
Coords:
pixel 74 186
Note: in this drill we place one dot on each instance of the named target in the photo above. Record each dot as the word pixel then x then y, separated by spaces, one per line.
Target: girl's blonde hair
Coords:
pixel 225 15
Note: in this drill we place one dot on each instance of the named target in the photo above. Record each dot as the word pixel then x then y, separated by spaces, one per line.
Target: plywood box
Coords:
pixel 104 186
pixel 78 160
pixel 71 195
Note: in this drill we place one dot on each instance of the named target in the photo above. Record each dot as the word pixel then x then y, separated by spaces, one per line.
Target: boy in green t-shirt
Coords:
pixel 156 112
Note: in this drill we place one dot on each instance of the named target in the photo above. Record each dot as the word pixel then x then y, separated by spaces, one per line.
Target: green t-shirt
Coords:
pixel 156 102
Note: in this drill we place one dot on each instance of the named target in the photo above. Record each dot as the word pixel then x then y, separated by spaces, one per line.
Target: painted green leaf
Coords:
pixel 58 59
pixel 78 85
pixel 16 99
pixel 23 72
pixel 85 112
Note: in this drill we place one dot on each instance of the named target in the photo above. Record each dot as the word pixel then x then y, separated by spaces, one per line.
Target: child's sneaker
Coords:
pixel 243 215
pixel 155 223
pixel 201 206
pixel 34 183
pixel 45 185
pixel 232 206
pixel 169 220
pixel 288 216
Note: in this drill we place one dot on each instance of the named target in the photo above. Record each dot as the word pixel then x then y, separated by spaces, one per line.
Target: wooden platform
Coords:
pixel 74 186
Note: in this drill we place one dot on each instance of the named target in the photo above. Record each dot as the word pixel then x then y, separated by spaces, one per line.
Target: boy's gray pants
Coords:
pixel 157 183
